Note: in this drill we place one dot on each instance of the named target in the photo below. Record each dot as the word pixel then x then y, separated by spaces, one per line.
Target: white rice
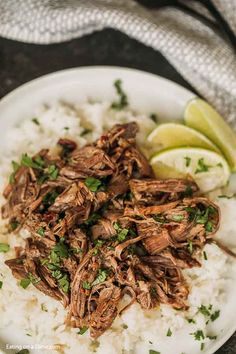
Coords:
pixel 39 319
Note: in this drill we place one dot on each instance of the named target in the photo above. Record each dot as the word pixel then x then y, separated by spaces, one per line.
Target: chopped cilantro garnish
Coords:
pixel 41 231
pixel 4 247
pixel 86 285
pixel 92 183
pixel 204 310
pixel 44 308
pixel 124 326
pixel 205 255
pixel 215 315
pixel 209 226
pixel 198 335
pixel 50 198
pixel 82 330
pixel 154 117
pixel 93 218
pixel 202 167
pixel 159 218
pixel 28 161
pixel 61 249
pixel 202 346
pixel 151 351
pixel 191 320
pixel 188 192
pixel 53 172
pixel 187 161
pixel 31 279
pixel 64 283
pixel 102 275
pixel 212 337
pixel 177 217
pixel 123 100
pixel 1 284
pixel 121 233
pixel 24 283
pixel 190 246
pixel 169 333
pixel 35 121
pixel 14 224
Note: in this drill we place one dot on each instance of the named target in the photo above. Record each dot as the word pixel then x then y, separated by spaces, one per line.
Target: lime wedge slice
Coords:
pixel 201 116
pixel 164 171
pixel 209 169
pixel 172 135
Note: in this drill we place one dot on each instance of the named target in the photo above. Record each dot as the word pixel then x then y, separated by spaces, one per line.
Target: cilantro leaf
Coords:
pixel 82 330
pixel 4 247
pixel 123 100
pixel 92 183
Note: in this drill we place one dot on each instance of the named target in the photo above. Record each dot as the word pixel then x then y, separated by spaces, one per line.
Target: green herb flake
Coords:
pixel 14 224
pixel 36 163
pixel 202 166
pixel 123 100
pixel 204 310
pixel 61 249
pixel 205 255
pixel 44 308
pixel 64 283
pixel 188 192
pixel 82 330
pixel 190 246
pixel 191 320
pixel 4 247
pixel 226 196
pixel 220 165
pixel 198 335
pixel 159 218
pixel 187 161
pixel 92 183
pixel 212 337
pixel 169 333
pixel 177 217
pixel 53 172
pixel 209 226
pixel 24 283
pixel 1 284
pixel 102 275
pixel 35 121
pixel 86 285
pixel 41 231
pixel 124 326
pixel 151 351
pixel 202 346
pixel 215 315
pixel 153 117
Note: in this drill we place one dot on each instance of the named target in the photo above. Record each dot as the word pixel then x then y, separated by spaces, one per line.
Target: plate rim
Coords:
pixel 186 94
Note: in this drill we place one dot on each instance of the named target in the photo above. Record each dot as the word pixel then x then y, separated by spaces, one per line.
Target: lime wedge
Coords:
pixel 164 171
pixel 172 135
pixel 209 169
pixel 201 116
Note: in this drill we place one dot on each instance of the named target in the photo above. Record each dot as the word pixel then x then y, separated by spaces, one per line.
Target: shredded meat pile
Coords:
pixel 102 227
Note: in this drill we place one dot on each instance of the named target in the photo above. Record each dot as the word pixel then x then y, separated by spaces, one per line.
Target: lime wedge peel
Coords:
pixel 201 116
pixel 174 135
pixel 209 169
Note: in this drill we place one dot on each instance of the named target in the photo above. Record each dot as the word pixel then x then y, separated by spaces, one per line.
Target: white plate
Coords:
pixel 146 92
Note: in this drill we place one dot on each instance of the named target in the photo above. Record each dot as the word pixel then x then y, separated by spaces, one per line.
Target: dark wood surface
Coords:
pixel 20 62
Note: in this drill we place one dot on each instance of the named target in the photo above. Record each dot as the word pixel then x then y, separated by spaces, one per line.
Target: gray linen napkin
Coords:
pixel 195 50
